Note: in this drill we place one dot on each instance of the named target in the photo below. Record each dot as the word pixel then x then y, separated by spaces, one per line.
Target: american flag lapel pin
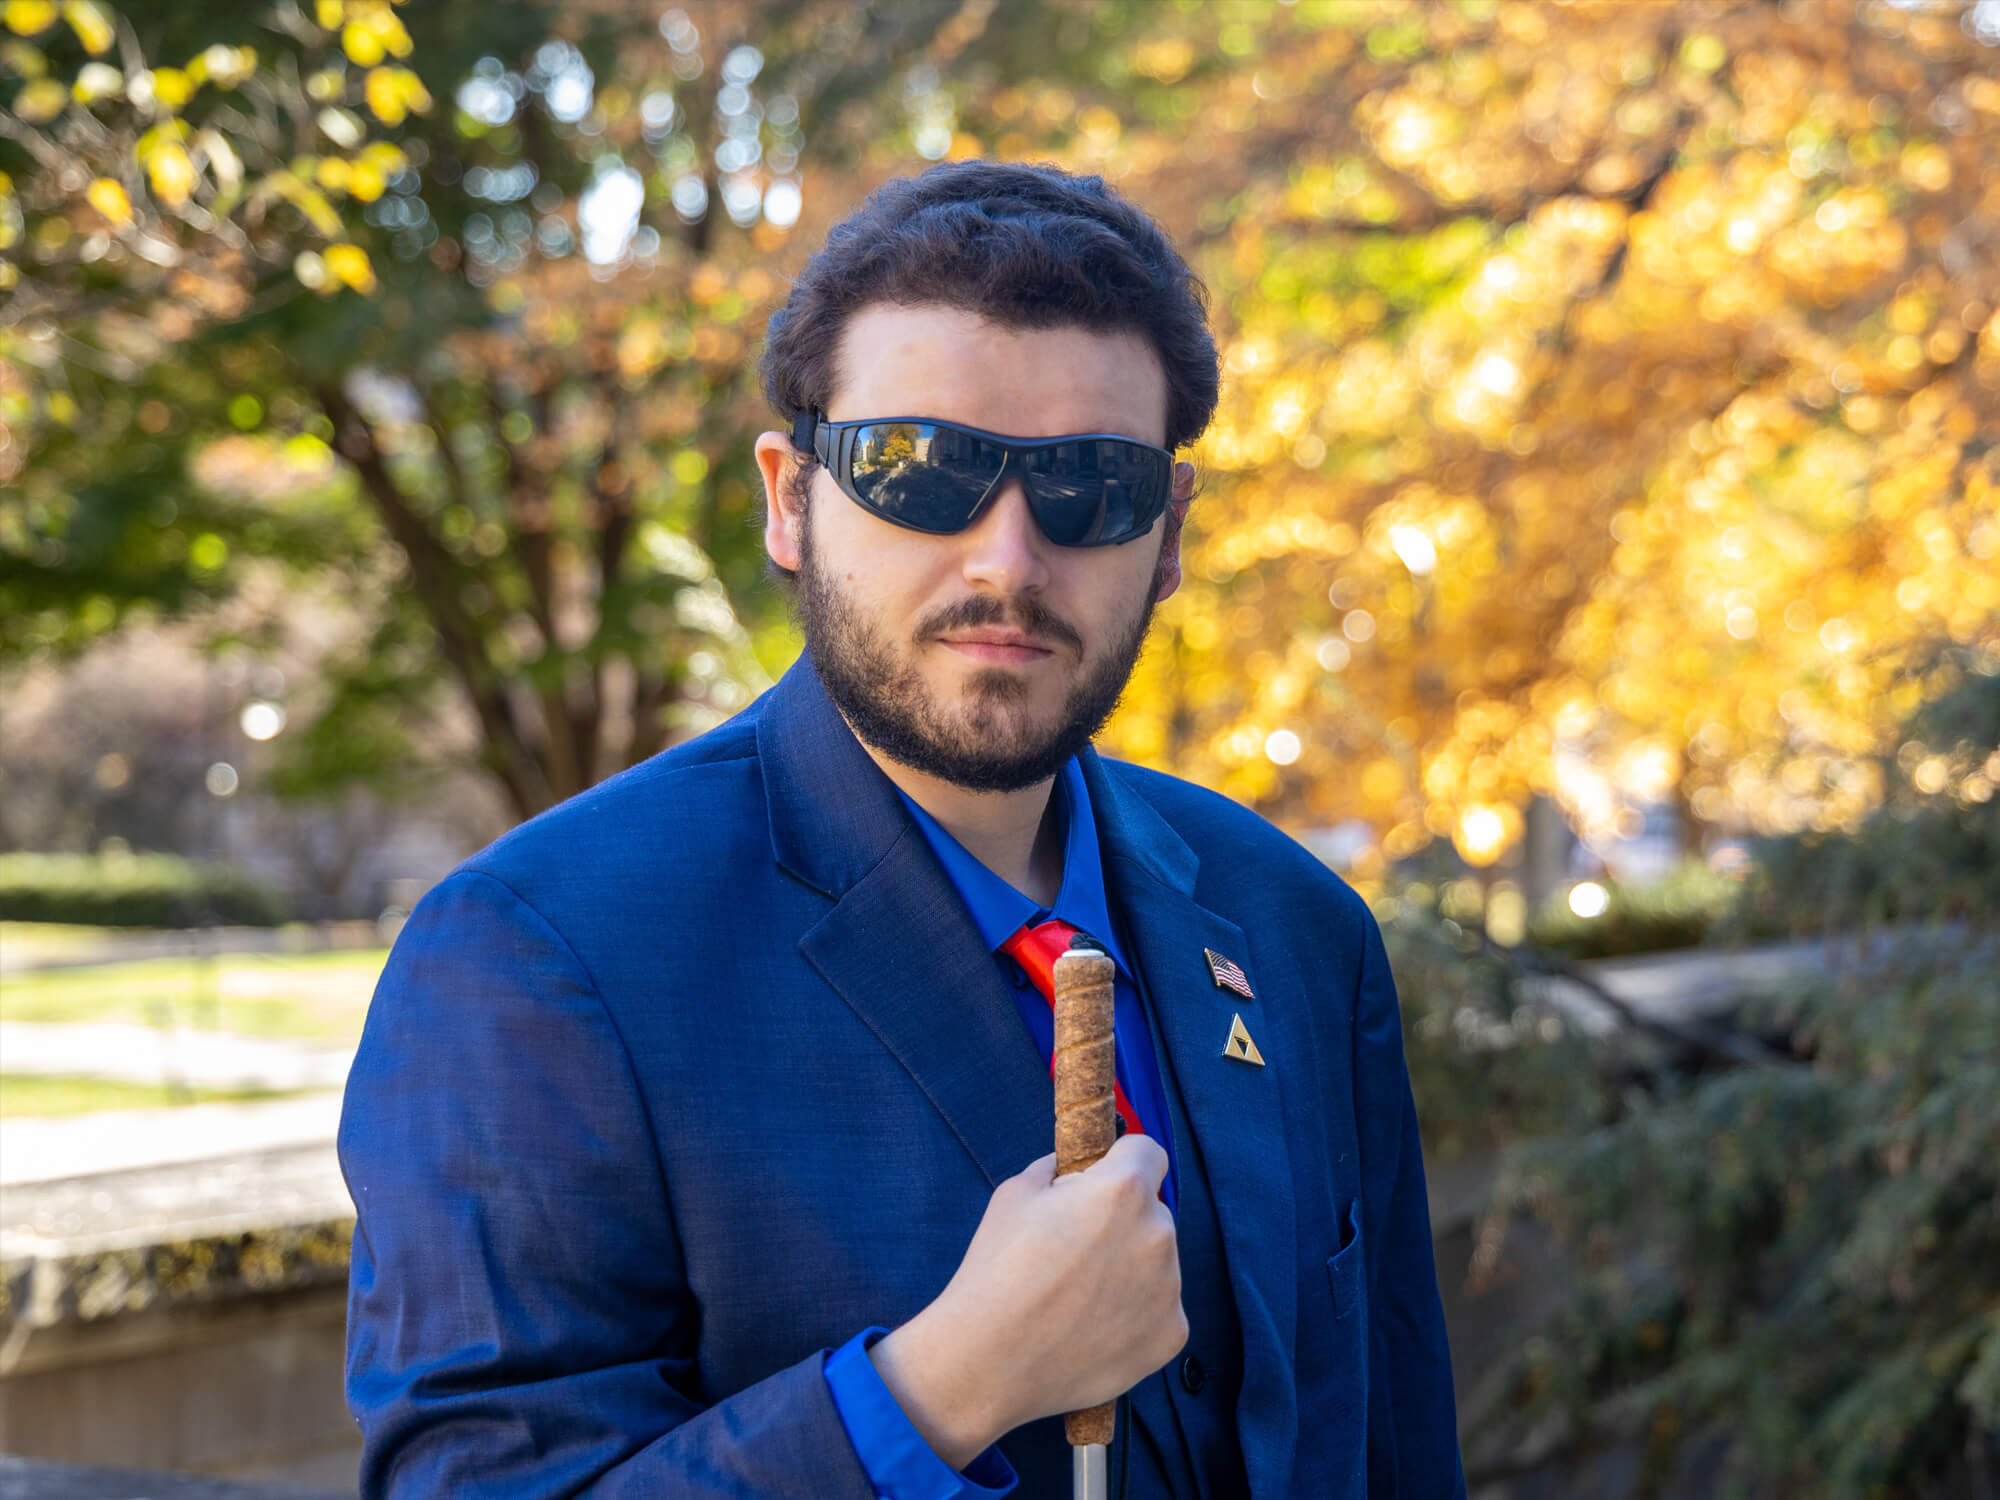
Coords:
pixel 1227 975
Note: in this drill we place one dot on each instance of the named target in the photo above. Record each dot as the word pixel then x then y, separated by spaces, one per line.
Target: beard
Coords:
pixel 987 742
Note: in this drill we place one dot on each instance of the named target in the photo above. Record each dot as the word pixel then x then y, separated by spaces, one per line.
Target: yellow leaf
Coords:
pixel 316 208
pixel 365 182
pixel 384 158
pixel 28 17
pixel 91 25
pixel 384 91
pixel 310 201
pixel 171 88
pixel 349 264
pixel 172 172
pixel 108 197
pixel 393 93
pixel 41 101
pixel 362 46
pixel 334 174
pixel 162 134
pixel 329 14
pixel 327 83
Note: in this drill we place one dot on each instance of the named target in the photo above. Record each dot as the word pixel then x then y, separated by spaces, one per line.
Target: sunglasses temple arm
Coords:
pixel 805 431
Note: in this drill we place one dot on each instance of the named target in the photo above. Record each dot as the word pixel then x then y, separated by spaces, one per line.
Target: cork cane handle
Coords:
pixel 1086 1071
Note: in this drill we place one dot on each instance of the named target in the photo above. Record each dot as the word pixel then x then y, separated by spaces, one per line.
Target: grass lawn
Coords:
pixel 317 996
pixel 23 1094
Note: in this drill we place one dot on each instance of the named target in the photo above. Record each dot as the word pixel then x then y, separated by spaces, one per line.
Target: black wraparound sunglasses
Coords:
pixel 1089 489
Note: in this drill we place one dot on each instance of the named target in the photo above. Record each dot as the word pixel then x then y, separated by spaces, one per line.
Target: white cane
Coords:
pixel 1086 1074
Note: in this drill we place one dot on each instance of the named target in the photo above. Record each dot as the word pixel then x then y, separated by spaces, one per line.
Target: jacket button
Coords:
pixel 1193 1376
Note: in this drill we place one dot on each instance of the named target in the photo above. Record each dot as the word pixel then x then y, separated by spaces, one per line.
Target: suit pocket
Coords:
pixel 1345 1274
pixel 1333 1455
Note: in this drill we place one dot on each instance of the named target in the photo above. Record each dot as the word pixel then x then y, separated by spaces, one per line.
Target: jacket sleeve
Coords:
pixel 519 1322
pixel 1412 1416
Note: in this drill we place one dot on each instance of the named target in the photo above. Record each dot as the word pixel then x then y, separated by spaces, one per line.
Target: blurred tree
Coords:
pixel 493 372
pixel 1608 391
pixel 1603 412
pixel 139 204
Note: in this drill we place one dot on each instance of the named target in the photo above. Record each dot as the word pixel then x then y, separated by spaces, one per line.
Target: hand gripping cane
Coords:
pixel 1086 1072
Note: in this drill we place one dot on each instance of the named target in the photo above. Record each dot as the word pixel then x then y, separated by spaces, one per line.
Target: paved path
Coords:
pixel 125 1140
pixel 182 1056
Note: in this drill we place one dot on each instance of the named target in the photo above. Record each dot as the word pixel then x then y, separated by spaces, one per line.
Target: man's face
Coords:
pixel 989 657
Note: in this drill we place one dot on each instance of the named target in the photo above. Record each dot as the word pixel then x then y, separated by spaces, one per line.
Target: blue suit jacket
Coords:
pixel 679 1085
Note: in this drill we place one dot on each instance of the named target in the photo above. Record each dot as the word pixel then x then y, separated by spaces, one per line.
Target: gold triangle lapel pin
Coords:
pixel 1239 1045
pixel 1227 975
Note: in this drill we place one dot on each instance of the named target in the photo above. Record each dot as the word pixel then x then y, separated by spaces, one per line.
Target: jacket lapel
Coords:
pixel 1234 1109
pixel 898 945
pixel 900 948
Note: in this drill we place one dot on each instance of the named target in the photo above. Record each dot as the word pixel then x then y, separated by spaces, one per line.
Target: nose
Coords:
pixel 1004 550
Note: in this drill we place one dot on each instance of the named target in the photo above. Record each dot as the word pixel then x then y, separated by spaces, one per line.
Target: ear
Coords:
pixel 1168 570
pixel 777 460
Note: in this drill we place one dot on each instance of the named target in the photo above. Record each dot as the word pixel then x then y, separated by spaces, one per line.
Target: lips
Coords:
pixel 997 646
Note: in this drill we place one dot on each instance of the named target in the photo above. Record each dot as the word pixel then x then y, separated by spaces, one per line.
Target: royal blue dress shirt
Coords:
pixel 900 1464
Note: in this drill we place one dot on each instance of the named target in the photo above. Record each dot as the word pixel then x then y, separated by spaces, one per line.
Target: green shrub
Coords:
pixel 1489 1067
pixel 1792 1269
pixel 1801 1261
pixel 1679 911
pixel 132 890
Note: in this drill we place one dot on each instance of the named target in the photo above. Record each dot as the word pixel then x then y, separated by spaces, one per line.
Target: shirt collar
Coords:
pixel 997 909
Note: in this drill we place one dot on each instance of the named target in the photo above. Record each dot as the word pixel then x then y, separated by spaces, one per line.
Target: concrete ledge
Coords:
pixel 181 1314
pixel 82 1250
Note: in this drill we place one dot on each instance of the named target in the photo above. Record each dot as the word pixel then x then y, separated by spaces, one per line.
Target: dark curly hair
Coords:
pixel 1025 246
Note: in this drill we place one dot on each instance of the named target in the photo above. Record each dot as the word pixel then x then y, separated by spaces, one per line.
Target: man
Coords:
pixel 676 1100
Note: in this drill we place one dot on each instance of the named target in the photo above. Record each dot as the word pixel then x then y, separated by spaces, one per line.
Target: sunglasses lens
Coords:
pixel 921 475
pixel 1097 492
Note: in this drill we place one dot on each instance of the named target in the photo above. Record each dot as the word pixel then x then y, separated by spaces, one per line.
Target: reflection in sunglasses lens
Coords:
pixel 932 476
pixel 924 476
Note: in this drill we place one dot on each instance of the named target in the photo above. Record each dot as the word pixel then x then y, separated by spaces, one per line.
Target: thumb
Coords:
pixel 1036 1175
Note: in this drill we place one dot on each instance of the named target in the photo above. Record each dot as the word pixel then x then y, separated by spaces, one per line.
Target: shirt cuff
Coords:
pixel 899 1463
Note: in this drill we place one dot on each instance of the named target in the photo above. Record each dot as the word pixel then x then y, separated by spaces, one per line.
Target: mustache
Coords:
pixel 1030 616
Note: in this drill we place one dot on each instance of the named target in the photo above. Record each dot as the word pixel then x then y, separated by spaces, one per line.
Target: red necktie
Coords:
pixel 1036 950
